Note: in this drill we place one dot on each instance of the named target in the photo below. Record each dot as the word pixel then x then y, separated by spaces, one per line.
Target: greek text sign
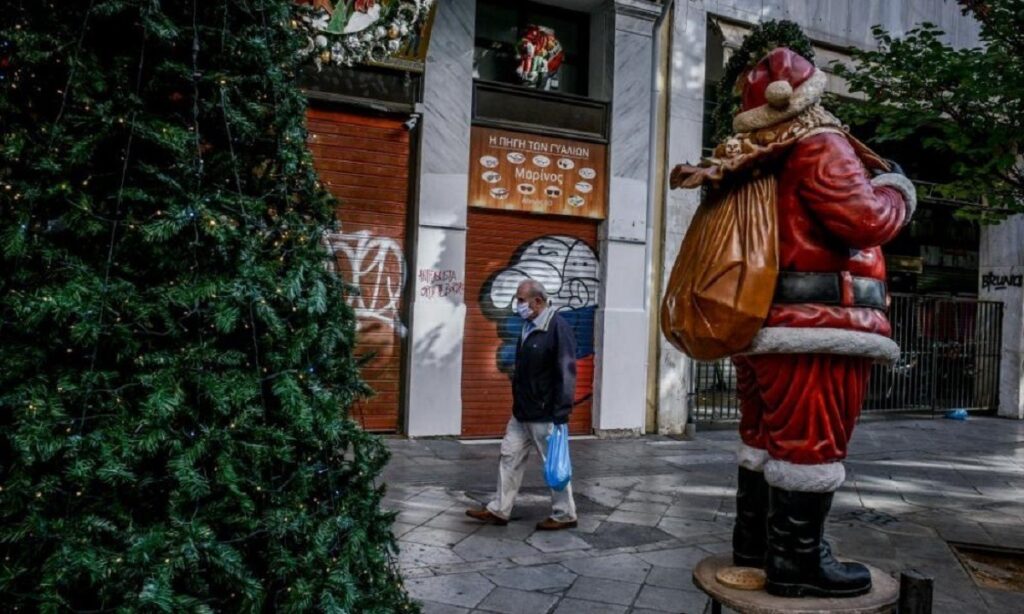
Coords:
pixel 517 171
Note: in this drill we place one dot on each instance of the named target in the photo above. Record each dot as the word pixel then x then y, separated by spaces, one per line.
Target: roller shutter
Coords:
pixel 502 249
pixel 364 161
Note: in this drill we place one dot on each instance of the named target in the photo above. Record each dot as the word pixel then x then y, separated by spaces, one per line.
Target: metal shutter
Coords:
pixel 364 162
pixel 502 248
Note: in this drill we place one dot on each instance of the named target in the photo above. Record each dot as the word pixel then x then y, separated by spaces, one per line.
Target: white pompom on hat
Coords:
pixel 778 94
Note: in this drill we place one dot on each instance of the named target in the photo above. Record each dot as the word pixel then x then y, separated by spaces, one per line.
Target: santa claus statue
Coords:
pixel 782 269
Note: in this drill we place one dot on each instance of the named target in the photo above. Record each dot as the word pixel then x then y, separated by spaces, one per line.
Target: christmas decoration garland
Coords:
pixel 329 41
pixel 762 39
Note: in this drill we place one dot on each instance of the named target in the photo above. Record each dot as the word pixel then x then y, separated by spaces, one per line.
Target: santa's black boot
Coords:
pixel 750 531
pixel 796 564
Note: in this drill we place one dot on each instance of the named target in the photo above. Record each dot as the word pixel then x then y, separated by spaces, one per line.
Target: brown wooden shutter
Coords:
pixel 364 162
pixel 501 248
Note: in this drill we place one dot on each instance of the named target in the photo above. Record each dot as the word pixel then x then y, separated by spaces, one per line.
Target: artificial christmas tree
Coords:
pixel 175 358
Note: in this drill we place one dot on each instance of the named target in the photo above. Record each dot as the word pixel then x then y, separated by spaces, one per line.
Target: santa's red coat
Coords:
pixel 803 381
pixel 832 219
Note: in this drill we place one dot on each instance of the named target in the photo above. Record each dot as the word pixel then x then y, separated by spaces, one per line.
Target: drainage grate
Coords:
pixel 992 566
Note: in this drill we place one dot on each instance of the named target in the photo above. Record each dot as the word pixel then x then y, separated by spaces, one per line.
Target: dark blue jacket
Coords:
pixel 544 381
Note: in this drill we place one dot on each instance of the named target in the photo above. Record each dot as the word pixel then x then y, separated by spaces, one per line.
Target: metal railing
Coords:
pixel 950 358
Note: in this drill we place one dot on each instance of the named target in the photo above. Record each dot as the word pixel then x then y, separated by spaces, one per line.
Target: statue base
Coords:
pixel 881 600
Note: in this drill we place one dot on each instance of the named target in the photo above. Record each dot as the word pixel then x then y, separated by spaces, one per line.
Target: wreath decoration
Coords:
pixel 539 54
pixel 762 39
pixel 356 31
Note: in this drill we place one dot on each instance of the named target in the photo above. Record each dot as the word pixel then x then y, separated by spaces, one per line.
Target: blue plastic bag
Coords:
pixel 957 414
pixel 557 466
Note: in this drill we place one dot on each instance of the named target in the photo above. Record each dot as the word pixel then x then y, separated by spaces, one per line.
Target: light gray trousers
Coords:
pixel 515 449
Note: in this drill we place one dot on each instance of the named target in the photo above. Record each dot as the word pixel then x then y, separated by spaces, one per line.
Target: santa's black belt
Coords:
pixel 830 289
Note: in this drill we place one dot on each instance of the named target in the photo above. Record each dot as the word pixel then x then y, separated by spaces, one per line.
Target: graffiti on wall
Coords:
pixel 376 266
pixel 440 283
pixel 568 269
pixel 992 281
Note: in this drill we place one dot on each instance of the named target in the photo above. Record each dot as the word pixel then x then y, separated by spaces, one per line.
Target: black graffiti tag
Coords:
pixel 991 281
pixel 435 283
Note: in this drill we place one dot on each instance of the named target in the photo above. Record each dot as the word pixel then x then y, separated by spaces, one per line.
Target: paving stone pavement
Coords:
pixel 651 507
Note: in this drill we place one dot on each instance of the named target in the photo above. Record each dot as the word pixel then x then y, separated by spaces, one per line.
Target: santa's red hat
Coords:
pixel 779 87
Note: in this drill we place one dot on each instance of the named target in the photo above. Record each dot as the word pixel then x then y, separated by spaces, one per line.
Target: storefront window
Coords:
pixel 501 25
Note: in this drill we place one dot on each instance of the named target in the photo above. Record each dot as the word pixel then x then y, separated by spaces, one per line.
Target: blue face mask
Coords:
pixel 523 309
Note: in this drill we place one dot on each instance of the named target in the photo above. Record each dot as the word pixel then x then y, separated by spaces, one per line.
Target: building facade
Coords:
pixel 457 180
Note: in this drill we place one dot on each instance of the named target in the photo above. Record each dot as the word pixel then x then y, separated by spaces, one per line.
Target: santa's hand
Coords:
pixel 681 173
pixel 894 167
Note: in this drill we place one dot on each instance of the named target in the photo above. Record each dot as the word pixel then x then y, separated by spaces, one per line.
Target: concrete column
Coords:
pixel 434 397
pixel 686 113
pixel 1001 277
pixel 621 374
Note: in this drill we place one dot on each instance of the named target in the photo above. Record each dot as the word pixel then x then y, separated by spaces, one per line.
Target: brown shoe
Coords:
pixel 550 524
pixel 485 515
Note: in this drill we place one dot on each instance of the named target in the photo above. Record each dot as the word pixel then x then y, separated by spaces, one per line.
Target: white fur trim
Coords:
pixel 827 477
pixel 751 458
pixel 779 94
pixel 806 94
pixel 793 340
pixel 904 185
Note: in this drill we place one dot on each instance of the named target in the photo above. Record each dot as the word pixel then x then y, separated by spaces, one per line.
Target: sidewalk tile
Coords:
pixel 643 507
pixel 667 577
pixel 430 536
pixel 475 548
pixel 533 578
pixel 670 600
pixel 465 590
pixel 509 601
pixel 418 555
pixel 679 558
pixel 620 534
pixel 430 607
pixel 603 590
pixel 638 518
pixel 578 606
pixel 624 567
pixel 556 541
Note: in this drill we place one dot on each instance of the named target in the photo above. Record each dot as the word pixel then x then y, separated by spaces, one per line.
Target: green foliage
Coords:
pixel 969 102
pixel 176 358
pixel 762 39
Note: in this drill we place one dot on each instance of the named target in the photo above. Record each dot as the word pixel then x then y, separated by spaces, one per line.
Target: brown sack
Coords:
pixel 724 276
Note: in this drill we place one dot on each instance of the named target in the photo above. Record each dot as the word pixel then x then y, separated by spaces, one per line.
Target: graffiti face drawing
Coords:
pixel 566 266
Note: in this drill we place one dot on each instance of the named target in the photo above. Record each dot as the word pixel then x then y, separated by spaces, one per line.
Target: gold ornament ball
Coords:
pixel 325 55
pixel 393 31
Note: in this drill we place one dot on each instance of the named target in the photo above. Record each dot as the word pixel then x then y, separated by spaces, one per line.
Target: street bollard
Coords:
pixel 915 593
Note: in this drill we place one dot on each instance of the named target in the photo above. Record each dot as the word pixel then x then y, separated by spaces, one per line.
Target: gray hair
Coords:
pixel 535 288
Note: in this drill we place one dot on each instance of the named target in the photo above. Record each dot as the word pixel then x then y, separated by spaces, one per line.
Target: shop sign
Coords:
pixel 904 264
pixel 518 171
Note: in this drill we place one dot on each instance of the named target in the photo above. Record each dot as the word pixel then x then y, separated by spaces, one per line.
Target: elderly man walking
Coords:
pixel 543 389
